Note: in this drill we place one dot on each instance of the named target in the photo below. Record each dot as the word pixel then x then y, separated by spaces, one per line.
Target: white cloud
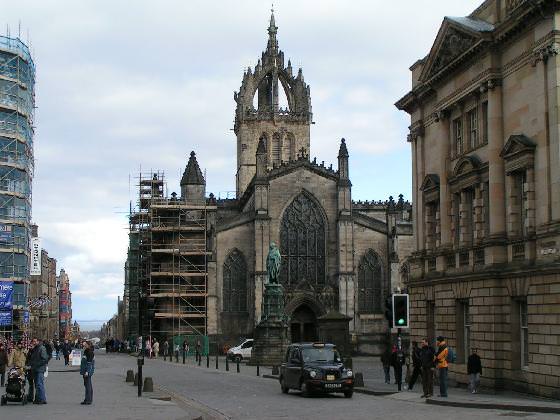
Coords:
pixel 120 87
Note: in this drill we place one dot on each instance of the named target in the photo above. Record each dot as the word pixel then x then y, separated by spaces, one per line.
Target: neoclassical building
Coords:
pixel 338 256
pixel 486 175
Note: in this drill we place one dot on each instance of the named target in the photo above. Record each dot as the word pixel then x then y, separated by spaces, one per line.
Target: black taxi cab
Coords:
pixel 315 367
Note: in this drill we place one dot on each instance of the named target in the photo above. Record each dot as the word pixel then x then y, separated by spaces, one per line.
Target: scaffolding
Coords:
pixel 17 104
pixel 169 252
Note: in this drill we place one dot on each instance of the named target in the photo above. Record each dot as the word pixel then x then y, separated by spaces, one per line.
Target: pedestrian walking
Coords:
pixel 397 361
pixel 156 349
pixel 3 363
pixel 427 362
pixel 474 370
pixel 66 350
pixel 57 349
pixel 165 350
pixel 386 362
pixel 148 349
pixel 185 350
pixel 198 351
pixel 416 365
pixel 87 367
pixel 176 351
pixel 38 363
pixel 442 365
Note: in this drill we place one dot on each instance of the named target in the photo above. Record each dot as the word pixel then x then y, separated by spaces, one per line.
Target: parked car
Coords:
pixel 315 367
pixel 241 352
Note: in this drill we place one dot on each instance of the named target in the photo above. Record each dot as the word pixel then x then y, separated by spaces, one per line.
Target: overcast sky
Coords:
pixel 123 85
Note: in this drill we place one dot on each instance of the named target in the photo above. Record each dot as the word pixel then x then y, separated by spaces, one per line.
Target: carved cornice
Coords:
pixel 415 130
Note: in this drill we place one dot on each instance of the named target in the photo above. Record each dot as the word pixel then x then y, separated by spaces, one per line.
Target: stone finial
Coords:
pixel 343 151
pixel 193 174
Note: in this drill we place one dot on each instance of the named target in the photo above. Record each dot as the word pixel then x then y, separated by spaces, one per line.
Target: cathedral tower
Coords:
pixel 259 115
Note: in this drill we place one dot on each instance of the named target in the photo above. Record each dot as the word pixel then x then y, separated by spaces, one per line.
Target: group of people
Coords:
pixel 115 345
pixel 152 350
pixel 33 363
pixel 425 361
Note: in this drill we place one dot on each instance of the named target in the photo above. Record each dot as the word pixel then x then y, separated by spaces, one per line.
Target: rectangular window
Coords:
pixel 468 214
pixel 486 204
pixel 458 136
pixel 484 123
pixel 466 330
pixel 472 119
pixel 519 179
pixel 524 333
pixel 463 330
pixel 456 218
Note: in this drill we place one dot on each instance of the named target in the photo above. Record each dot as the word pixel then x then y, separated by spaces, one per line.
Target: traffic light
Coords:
pixel 400 311
pixel 389 310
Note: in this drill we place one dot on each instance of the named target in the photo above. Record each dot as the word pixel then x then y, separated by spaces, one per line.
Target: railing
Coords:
pixel 178 268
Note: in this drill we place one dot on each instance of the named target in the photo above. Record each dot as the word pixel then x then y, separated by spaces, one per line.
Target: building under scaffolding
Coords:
pixel 168 257
pixel 17 103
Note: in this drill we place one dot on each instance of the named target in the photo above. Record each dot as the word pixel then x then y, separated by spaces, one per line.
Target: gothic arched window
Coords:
pixel 289 148
pixel 235 283
pixel 370 283
pixel 302 242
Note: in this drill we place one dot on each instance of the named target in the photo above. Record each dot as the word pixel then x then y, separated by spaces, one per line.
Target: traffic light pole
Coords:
pixel 399 365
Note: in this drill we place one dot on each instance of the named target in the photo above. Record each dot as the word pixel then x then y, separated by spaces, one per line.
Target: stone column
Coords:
pixel 444 199
pixel 497 252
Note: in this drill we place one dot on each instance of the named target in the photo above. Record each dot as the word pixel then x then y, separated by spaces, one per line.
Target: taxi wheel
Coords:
pixel 348 394
pixel 285 389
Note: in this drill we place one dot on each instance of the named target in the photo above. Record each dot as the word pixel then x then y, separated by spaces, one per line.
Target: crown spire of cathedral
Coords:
pixel 272 46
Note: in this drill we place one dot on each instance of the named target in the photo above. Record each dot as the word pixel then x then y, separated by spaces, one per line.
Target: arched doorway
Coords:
pixel 303 325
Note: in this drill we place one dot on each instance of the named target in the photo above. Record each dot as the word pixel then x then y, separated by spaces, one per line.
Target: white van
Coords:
pixel 242 351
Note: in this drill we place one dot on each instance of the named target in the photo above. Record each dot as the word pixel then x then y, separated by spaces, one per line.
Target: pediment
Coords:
pixel 466 165
pixel 516 144
pixel 431 181
pixel 456 37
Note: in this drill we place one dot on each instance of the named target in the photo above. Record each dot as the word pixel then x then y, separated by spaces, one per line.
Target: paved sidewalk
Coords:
pixel 113 397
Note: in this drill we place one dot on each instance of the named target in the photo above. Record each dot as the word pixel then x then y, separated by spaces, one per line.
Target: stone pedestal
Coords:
pixel 271 334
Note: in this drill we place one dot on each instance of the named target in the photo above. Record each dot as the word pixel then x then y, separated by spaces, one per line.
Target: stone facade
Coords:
pixel 339 256
pixel 485 153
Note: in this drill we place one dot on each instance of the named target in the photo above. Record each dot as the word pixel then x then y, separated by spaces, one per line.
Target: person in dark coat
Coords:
pixel 66 350
pixel 417 365
pixel 87 368
pixel 166 350
pixel 397 361
pixel 29 375
pixel 426 356
pixel 3 363
pixel 38 363
pixel 386 362
pixel 474 370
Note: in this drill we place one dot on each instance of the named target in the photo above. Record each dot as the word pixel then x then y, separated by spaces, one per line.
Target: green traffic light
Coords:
pixel 400 321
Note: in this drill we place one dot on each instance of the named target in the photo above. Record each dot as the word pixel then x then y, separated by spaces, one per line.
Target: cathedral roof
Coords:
pixel 192 174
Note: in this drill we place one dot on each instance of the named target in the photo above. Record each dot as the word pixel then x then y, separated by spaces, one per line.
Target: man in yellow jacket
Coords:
pixel 441 364
pixel 17 357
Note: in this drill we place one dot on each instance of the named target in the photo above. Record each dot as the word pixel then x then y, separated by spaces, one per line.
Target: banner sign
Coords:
pixel 6 295
pixel 5 233
pixel 5 318
pixel 76 358
pixel 35 257
pixel 26 317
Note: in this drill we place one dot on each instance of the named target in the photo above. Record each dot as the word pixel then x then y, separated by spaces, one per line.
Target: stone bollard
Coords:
pixel 129 376
pixel 148 384
pixel 275 370
pixel 359 379
pixel 135 379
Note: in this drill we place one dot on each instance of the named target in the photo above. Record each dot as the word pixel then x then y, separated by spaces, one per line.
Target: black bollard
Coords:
pixel 258 370
pixel 217 367
pixel 199 360
pixel 227 364
pixel 207 360
pixel 237 365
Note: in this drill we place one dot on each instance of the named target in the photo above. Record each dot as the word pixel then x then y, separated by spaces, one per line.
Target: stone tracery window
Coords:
pixel 235 283
pixel 302 242
pixel 370 283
